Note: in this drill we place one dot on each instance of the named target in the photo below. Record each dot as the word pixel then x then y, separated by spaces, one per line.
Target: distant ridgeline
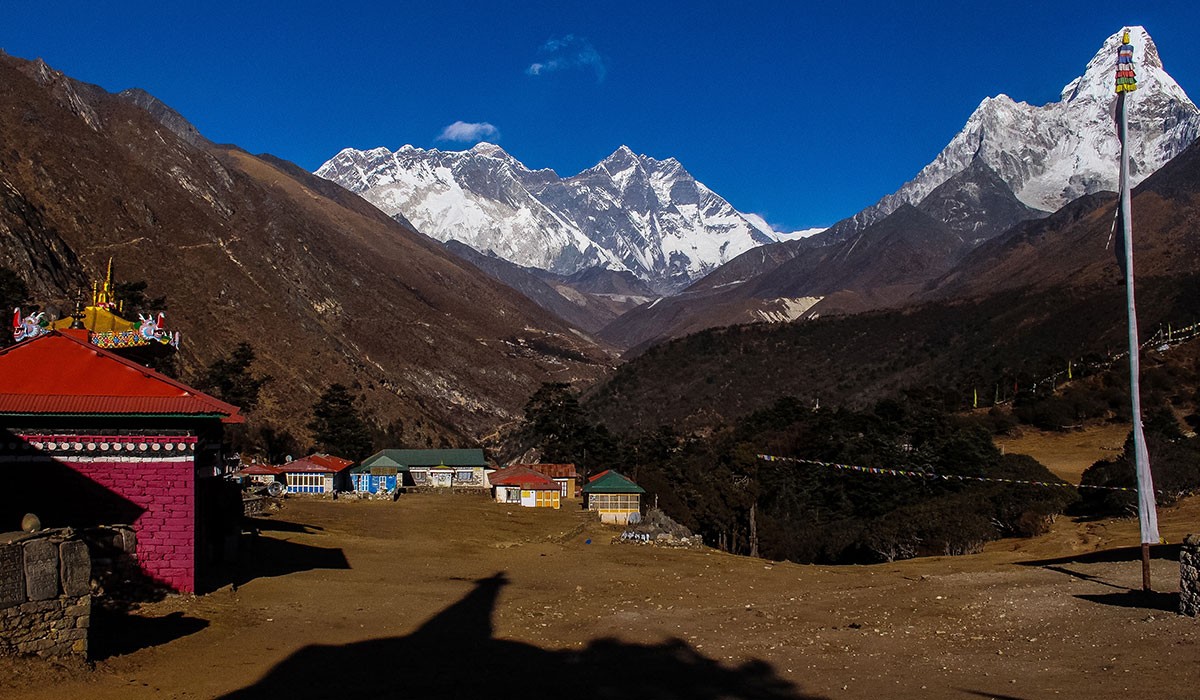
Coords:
pixel 143 340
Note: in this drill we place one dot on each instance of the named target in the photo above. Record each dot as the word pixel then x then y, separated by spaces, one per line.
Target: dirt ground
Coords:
pixel 1068 454
pixel 456 596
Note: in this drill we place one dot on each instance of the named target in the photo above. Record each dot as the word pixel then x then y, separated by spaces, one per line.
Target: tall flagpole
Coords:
pixel 1147 512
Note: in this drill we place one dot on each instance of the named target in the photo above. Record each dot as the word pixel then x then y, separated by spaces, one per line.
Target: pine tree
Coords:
pixel 338 427
pixel 229 379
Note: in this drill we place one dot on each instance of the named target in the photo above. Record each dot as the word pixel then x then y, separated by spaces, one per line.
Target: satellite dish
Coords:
pixel 635 518
pixel 275 489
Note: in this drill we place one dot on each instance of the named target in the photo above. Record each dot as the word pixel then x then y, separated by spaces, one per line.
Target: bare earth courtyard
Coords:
pixel 456 596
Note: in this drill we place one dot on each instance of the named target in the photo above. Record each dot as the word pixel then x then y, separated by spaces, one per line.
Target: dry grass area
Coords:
pixel 1068 454
pixel 448 596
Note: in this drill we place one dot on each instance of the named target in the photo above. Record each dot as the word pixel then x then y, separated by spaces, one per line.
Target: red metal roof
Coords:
pixel 554 471
pixel 524 477
pixel 60 373
pixel 260 470
pixel 317 463
pixel 597 475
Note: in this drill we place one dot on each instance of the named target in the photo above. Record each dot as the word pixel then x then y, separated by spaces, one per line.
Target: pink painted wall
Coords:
pixel 166 531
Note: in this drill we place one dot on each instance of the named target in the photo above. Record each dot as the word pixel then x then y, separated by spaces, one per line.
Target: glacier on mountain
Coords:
pixel 628 212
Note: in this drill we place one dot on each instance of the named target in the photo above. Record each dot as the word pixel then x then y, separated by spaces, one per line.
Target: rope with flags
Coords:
pixel 922 474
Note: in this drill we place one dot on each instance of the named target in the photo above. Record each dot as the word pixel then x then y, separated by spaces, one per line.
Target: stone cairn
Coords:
pixel 1189 576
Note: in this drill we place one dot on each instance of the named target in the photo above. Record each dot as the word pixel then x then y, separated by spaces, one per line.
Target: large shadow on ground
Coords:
pixel 455 655
pixel 118 632
pixel 270 556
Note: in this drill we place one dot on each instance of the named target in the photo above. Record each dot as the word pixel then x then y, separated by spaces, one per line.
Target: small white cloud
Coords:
pixel 468 132
pixel 568 52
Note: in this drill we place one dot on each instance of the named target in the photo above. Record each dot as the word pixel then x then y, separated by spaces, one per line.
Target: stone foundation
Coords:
pixel 1189 576
pixel 45 594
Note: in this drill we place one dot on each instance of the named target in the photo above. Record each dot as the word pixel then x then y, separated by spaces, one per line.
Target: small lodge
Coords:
pixel 521 485
pixel 316 473
pixel 614 497
pixel 462 468
pixel 90 438
pixel 563 474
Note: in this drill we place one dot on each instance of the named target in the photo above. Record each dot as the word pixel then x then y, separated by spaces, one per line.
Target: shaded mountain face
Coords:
pixel 576 308
pixel 976 204
pixel 324 286
pixel 1075 245
pixel 628 213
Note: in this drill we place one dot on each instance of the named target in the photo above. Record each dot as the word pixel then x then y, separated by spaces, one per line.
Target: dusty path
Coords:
pixel 459 597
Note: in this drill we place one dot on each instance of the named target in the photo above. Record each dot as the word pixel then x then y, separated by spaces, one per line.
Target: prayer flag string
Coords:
pixel 884 471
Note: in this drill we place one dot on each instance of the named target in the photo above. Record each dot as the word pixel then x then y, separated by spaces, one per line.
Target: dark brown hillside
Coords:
pixel 952 349
pixel 321 284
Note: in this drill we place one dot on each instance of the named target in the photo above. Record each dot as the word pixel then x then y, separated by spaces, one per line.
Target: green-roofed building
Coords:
pixel 617 499
pixel 390 469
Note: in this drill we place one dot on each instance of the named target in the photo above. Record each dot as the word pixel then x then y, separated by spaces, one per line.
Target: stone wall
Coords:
pixel 45 594
pixel 1189 576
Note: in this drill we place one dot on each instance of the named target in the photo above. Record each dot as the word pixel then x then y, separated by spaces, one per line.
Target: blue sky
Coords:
pixel 802 112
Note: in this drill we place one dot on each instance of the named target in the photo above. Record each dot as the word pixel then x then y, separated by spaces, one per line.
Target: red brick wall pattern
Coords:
pixel 166 534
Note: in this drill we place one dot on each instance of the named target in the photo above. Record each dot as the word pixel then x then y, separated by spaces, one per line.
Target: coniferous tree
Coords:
pixel 338 427
pixel 229 378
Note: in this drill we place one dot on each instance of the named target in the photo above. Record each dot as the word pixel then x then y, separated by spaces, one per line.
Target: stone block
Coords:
pixel 75 566
pixel 128 541
pixel 12 576
pixel 41 569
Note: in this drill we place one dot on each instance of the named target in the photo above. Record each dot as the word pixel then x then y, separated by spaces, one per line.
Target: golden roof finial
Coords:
pixel 1125 37
pixel 105 294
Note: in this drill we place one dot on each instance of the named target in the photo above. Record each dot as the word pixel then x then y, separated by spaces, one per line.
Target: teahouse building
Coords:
pixel 460 468
pixel 316 473
pixel 615 498
pixel 521 485
pixel 90 438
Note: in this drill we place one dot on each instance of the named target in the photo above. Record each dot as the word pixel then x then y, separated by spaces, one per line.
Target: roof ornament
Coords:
pixel 78 315
pixel 30 326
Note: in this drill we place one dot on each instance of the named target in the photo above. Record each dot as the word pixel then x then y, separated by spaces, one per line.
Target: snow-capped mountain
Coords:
pixel 1052 154
pixel 629 212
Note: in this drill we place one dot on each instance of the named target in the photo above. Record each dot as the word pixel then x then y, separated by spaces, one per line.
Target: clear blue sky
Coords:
pixel 802 112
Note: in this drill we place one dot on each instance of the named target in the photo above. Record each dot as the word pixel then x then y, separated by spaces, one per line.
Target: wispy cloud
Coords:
pixel 468 132
pixel 566 53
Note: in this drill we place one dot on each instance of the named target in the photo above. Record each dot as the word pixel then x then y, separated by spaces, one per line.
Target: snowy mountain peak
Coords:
pixel 628 212
pixel 1096 83
pixel 484 148
pixel 1051 154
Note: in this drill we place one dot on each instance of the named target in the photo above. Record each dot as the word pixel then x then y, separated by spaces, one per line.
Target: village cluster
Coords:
pixel 611 495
